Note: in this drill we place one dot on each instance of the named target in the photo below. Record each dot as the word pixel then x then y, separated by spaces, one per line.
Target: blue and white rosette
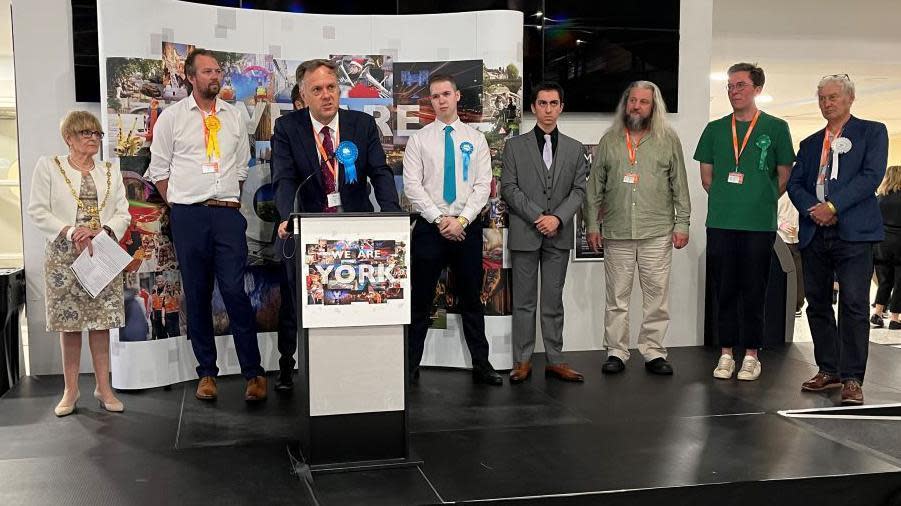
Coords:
pixel 466 148
pixel 347 154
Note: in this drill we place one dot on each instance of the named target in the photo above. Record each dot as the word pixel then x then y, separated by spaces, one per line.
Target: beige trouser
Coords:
pixel 653 258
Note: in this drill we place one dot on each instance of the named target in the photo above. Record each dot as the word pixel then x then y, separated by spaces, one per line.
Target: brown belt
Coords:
pixel 220 203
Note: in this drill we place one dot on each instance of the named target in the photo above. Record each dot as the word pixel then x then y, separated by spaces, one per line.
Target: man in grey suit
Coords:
pixel 543 183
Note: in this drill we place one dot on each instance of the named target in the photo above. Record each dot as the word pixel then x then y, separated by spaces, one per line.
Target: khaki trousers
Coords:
pixel 653 257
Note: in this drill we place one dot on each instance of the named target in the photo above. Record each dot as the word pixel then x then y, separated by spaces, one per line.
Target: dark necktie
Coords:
pixel 327 175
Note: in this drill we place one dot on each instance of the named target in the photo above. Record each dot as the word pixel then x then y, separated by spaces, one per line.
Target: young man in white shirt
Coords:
pixel 447 177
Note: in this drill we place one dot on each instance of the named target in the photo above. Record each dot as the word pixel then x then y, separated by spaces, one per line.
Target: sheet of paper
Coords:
pixel 95 272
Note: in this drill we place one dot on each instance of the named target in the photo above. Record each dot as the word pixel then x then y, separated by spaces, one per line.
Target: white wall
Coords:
pixel 583 295
pixel 42 36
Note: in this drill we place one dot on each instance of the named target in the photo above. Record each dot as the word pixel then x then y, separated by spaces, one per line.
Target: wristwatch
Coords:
pixel 438 219
pixel 462 221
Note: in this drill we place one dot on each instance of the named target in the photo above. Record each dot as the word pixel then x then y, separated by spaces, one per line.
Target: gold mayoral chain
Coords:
pixel 93 212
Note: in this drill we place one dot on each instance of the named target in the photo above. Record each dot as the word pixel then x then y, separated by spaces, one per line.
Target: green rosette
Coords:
pixel 763 142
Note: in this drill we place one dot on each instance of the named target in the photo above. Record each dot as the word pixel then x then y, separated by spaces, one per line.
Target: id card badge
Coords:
pixel 630 178
pixel 334 199
pixel 211 167
pixel 736 178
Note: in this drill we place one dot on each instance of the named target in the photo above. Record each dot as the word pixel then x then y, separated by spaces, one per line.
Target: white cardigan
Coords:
pixel 52 207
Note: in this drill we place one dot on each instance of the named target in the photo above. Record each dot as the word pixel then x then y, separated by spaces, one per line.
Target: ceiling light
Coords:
pixel 764 99
pixel 719 76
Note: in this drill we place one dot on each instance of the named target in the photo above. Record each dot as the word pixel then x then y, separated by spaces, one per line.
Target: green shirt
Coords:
pixel 752 204
pixel 655 206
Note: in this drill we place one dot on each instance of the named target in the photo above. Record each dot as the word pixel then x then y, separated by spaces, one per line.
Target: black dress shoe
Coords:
pixel 893 325
pixel 285 381
pixel 659 366
pixel 613 365
pixel 876 321
pixel 487 375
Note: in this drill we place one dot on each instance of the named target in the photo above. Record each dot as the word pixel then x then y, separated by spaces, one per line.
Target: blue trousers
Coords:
pixel 210 245
pixel 838 349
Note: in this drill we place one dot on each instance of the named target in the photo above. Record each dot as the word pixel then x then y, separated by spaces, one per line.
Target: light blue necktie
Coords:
pixel 450 176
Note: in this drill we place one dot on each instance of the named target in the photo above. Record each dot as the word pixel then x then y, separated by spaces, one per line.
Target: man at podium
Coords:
pixel 447 177
pixel 325 159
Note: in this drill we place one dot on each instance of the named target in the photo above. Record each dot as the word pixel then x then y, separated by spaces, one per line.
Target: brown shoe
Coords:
pixel 521 372
pixel 820 382
pixel 206 389
pixel 256 389
pixel 852 393
pixel 563 372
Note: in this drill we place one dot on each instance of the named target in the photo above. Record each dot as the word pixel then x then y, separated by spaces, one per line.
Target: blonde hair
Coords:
pixel 77 121
pixel 891 182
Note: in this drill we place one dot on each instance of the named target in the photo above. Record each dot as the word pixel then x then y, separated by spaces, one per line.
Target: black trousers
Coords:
pixel 887 256
pixel 840 347
pixel 739 263
pixel 287 316
pixel 431 254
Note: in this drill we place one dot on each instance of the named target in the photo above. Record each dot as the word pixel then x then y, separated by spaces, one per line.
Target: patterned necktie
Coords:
pixel 450 176
pixel 547 154
pixel 327 175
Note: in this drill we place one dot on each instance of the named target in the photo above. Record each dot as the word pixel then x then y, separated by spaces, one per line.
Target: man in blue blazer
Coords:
pixel 309 160
pixel 833 185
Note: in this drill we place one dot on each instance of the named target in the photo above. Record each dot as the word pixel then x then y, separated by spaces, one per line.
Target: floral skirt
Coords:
pixel 69 307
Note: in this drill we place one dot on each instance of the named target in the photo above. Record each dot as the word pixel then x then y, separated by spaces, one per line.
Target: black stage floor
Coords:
pixel 630 439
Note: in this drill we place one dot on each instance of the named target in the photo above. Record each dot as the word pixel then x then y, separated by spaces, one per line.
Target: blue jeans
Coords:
pixel 839 349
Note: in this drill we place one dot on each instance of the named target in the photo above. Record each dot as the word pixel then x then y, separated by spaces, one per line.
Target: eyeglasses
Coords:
pixel 739 86
pixel 87 134
pixel 844 77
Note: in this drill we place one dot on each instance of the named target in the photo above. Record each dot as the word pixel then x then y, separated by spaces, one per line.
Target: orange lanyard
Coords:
pixel 828 137
pixel 744 143
pixel 329 162
pixel 631 148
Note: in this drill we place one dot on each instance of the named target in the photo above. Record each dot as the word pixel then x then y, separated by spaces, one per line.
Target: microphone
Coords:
pixel 294 224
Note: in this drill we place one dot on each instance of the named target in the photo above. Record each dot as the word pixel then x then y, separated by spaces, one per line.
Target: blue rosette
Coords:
pixel 466 148
pixel 347 153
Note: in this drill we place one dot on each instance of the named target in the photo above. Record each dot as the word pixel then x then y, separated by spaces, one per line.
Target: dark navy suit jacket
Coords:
pixel 294 157
pixel 854 192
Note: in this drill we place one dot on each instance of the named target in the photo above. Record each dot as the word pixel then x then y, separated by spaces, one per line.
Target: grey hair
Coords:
pixel 846 83
pixel 657 124
pixel 310 65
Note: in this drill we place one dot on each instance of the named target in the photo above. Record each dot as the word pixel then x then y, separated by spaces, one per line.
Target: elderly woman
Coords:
pixel 74 198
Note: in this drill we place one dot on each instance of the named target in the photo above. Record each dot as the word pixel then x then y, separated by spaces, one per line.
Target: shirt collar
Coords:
pixel 192 103
pixel 317 126
pixel 539 133
pixel 456 124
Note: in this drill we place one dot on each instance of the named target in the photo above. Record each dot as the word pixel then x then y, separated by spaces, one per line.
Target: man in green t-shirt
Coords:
pixel 745 160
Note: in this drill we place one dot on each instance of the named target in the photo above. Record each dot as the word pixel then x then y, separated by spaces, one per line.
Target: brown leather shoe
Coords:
pixel 256 389
pixel 852 393
pixel 206 389
pixel 563 372
pixel 521 372
pixel 822 381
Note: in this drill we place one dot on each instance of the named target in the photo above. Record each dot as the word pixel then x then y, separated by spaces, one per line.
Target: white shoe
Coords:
pixel 115 406
pixel 725 367
pixel 66 409
pixel 750 369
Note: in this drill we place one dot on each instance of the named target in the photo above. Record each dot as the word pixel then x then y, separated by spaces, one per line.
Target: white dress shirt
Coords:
pixel 178 152
pixel 424 172
pixel 333 131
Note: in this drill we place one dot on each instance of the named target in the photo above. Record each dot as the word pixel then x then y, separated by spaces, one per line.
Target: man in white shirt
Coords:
pixel 198 162
pixel 447 177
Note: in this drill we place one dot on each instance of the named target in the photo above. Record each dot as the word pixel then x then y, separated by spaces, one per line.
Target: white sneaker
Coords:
pixel 725 367
pixel 750 369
